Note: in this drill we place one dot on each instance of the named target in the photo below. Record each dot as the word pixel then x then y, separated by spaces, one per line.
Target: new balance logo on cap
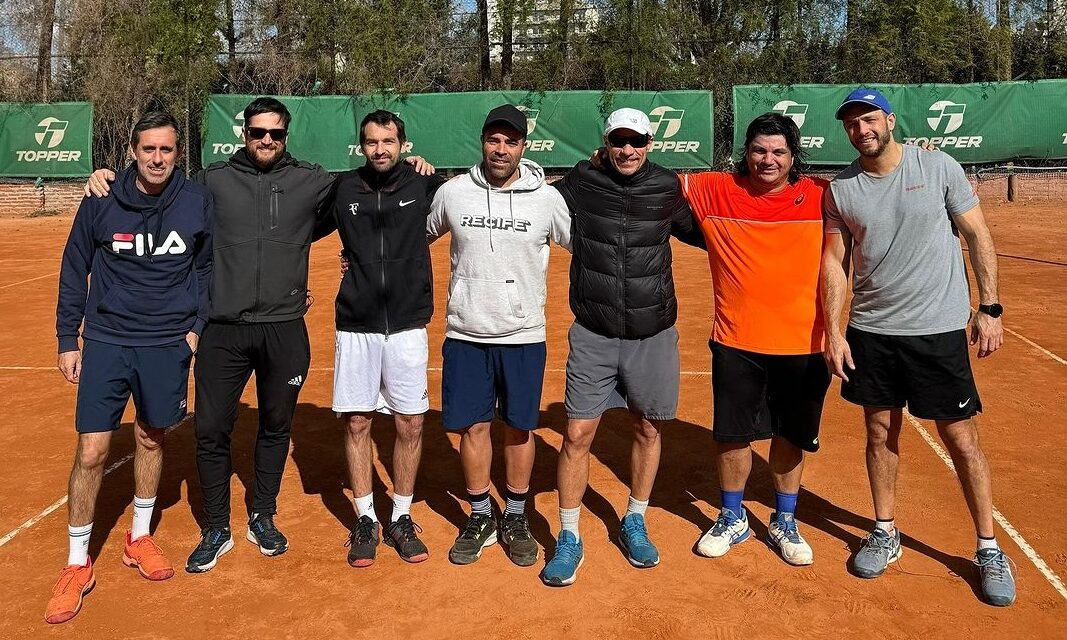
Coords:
pixel 297 381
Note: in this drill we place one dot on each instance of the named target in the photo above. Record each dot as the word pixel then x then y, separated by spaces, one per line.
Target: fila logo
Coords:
pixel 297 381
pixel 404 204
pixel 353 208
pixel 173 245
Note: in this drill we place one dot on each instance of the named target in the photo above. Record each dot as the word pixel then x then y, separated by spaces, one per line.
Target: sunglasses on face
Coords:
pixel 258 133
pixel 619 141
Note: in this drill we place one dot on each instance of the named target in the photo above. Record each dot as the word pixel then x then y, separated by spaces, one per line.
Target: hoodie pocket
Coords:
pixel 485 308
pixel 130 308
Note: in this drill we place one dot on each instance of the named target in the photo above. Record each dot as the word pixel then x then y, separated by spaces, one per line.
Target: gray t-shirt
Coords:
pixel 908 274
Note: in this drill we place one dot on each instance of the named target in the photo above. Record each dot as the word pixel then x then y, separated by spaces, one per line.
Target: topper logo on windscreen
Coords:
pixel 946 117
pixel 798 113
pixel 49 134
pixel 666 123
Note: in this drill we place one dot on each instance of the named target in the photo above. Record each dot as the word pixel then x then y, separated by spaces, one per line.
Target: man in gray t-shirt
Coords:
pixel 896 214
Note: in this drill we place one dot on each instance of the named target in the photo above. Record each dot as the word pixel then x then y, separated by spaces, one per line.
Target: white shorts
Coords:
pixel 375 373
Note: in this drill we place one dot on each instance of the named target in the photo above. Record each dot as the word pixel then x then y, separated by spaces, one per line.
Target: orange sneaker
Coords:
pixel 146 555
pixel 73 584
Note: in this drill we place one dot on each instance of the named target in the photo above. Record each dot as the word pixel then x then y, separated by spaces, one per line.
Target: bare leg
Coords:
pixel 86 477
pixel 476 454
pixel 961 440
pixel 735 464
pixel 147 459
pixel 644 458
pixel 518 457
pixel 883 457
pixel 406 453
pixel 359 452
pixel 572 474
pixel 787 465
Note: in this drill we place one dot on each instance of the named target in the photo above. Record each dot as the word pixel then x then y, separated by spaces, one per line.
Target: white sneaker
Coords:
pixel 783 535
pixel 729 529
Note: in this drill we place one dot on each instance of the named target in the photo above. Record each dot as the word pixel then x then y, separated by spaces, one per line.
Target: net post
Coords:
pixel 1011 182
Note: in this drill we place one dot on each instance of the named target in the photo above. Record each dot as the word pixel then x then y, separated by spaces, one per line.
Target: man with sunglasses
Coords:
pixel 269 208
pixel 623 344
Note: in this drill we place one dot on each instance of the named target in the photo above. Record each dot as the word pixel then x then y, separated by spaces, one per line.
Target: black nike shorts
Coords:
pixel 930 374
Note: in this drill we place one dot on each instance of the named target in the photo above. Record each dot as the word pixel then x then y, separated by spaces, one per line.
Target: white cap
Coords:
pixel 632 119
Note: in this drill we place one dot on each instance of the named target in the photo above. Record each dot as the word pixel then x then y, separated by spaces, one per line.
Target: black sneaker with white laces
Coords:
pixel 214 541
pixel 403 536
pixel 477 534
pixel 263 533
pixel 363 542
pixel 517 539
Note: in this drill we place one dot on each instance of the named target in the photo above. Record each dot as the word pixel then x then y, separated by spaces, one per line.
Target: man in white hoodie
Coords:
pixel 502 215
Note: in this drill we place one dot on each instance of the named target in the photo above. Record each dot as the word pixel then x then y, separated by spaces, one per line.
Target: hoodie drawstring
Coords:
pixel 489 211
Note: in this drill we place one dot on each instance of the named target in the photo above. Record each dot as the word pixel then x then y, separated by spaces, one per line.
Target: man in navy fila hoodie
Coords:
pixel 147 247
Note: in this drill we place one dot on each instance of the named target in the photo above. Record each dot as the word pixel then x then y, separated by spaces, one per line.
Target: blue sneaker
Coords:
pixel 998 582
pixel 634 537
pixel 562 569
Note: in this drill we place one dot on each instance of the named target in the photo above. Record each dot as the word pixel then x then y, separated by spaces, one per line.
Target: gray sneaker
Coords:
pixel 878 550
pixel 998 582
pixel 517 539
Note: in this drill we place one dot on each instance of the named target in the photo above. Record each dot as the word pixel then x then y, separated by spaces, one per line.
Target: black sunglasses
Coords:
pixel 258 133
pixel 619 141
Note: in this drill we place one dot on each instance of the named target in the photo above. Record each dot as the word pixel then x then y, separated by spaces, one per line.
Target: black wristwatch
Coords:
pixel 992 310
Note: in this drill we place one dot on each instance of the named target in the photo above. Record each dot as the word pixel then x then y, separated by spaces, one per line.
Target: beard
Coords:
pixel 882 141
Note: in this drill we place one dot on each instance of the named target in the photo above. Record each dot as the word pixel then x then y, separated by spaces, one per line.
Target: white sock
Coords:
pixel 365 507
pixel 886 525
pixel 401 506
pixel 636 506
pixel 987 543
pixel 568 520
pixel 78 537
pixel 142 516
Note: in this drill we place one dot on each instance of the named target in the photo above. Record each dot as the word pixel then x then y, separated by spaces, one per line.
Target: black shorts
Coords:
pixel 930 374
pixel 757 396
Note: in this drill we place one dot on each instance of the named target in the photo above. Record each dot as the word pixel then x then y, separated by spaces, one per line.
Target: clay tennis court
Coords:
pixel 310 592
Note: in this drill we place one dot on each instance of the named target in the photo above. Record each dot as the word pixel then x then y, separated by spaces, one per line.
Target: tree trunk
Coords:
pixel 44 50
pixel 507 40
pixel 1002 38
pixel 483 44
pixel 229 34
pixel 566 12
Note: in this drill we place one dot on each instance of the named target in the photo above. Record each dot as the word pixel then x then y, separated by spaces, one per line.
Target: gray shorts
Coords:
pixel 608 373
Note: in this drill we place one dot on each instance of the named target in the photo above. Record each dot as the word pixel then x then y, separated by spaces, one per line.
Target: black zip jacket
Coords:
pixel 621 280
pixel 381 218
pixel 265 222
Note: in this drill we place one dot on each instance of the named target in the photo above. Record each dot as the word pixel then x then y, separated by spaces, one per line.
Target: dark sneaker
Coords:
pixel 363 543
pixel 263 533
pixel 403 536
pixel 214 542
pixel 517 539
pixel 998 582
pixel 878 550
pixel 477 534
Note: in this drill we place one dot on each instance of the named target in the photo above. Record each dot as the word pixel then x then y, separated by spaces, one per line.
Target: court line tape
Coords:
pixel 1010 529
pixel 15 284
pixel 1037 346
pixel 684 373
pixel 62 501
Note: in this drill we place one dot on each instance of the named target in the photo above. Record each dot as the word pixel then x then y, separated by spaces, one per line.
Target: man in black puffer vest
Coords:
pixel 383 305
pixel 623 344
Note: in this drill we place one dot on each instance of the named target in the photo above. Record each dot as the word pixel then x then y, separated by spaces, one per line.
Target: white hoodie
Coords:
pixel 499 253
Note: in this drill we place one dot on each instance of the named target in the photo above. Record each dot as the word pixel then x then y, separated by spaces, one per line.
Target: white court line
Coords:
pixel 684 373
pixel 62 501
pixel 15 284
pixel 1037 346
pixel 1012 532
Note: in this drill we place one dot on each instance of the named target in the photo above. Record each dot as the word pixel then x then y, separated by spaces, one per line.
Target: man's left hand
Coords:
pixel 987 332
pixel 193 341
pixel 420 164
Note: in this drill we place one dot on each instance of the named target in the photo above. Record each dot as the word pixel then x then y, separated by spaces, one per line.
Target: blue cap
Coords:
pixel 868 96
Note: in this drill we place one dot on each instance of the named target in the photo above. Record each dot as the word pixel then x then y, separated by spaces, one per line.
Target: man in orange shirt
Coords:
pixel 763 227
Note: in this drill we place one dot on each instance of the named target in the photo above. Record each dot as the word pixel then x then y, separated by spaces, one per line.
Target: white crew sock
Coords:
pixel 636 506
pixel 142 516
pixel 78 537
pixel 568 521
pixel 401 506
pixel 365 507
pixel 987 543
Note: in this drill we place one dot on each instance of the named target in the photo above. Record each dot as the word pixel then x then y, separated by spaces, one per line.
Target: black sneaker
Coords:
pixel 214 541
pixel 363 543
pixel 517 539
pixel 263 533
pixel 477 534
pixel 403 536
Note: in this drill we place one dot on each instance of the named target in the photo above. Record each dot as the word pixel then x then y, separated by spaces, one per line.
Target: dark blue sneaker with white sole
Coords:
pixel 263 534
pixel 214 542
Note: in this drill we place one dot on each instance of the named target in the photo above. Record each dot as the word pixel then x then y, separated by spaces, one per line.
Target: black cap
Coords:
pixel 507 114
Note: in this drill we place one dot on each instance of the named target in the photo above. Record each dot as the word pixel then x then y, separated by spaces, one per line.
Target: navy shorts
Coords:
pixel 481 381
pixel 157 377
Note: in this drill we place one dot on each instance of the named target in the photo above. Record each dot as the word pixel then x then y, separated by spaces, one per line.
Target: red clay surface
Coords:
pixel 310 592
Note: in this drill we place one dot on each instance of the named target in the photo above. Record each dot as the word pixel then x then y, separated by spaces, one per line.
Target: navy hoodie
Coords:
pixel 150 260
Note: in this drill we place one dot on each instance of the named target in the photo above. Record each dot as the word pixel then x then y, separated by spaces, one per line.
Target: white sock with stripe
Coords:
pixel 78 537
pixel 142 516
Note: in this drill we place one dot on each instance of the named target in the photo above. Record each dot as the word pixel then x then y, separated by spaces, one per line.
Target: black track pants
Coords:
pixel 279 353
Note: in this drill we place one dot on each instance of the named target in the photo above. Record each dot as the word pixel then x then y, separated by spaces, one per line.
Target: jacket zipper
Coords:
pixel 274 206
pixel 385 292
pixel 259 243
pixel 622 262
